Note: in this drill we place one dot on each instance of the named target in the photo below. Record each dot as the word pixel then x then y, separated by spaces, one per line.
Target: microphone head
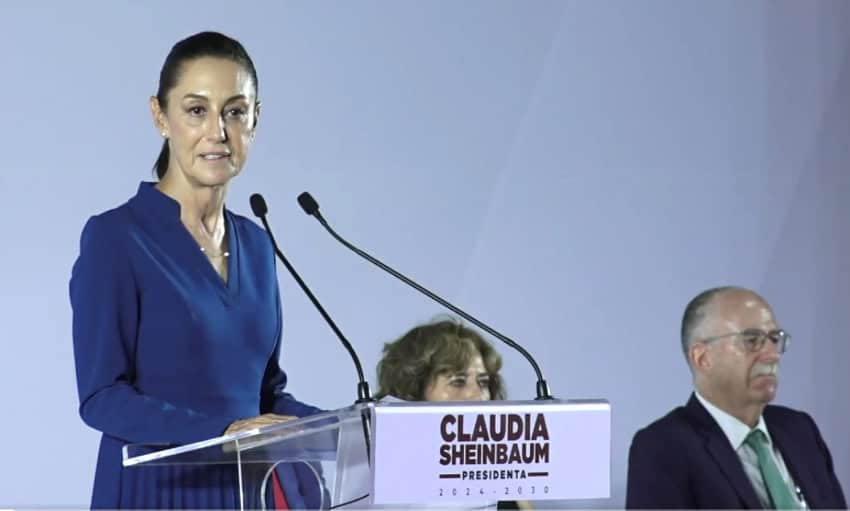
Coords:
pixel 258 205
pixel 308 204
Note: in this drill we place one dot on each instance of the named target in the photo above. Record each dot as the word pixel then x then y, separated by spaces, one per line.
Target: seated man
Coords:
pixel 727 448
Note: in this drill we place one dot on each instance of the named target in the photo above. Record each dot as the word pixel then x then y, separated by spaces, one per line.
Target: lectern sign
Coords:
pixel 427 453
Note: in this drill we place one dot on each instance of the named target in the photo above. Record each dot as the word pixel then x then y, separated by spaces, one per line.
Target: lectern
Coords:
pixel 423 453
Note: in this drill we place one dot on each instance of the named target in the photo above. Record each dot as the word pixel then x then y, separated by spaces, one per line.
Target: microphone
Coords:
pixel 311 207
pixel 260 209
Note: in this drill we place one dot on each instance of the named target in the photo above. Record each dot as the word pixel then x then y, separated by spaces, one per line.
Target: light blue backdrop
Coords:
pixel 572 172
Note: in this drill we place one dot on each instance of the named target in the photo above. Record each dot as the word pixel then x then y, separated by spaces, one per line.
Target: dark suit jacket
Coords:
pixel 684 460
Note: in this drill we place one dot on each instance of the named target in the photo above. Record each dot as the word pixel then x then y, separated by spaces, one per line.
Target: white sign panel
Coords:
pixel 432 453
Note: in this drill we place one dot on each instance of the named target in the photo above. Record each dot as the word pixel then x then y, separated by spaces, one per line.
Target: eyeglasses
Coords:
pixel 754 339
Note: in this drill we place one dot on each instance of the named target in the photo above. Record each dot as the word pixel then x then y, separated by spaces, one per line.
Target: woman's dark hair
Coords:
pixel 412 362
pixel 202 44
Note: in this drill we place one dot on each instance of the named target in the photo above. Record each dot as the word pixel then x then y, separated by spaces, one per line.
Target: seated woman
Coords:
pixel 440 361
pixel 443 361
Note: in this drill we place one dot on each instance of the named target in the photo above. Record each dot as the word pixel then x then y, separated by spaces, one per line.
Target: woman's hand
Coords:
pixel 260 421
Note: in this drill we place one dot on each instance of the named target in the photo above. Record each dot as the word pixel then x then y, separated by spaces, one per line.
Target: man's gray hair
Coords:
pixel 695 313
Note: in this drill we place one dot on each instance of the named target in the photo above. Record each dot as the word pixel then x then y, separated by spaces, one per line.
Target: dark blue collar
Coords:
pixel 152 201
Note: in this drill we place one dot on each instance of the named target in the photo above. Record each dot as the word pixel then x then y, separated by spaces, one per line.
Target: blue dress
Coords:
pixel 167 352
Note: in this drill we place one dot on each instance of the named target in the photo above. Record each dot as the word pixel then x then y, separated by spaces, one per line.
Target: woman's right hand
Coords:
pixel 260 421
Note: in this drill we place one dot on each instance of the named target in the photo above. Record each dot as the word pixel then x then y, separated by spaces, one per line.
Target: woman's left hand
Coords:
pixel 267 419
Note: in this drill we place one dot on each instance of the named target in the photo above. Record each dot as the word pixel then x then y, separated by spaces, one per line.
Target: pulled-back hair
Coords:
pixel 202 44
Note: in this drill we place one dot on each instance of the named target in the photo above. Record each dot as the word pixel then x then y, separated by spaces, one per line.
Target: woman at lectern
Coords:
pixel 176 308
pixel 443 361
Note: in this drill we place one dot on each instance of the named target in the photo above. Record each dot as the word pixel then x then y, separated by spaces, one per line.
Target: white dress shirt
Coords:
pixel 736 431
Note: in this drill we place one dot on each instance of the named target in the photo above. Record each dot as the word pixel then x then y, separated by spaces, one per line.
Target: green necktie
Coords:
pixel 777 489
